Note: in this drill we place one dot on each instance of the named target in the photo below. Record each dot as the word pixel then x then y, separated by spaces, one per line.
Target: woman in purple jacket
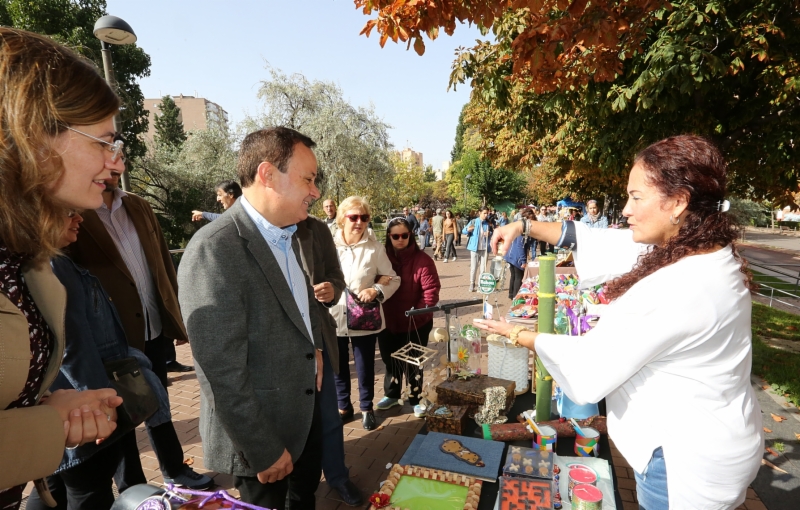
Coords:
pixel 419 288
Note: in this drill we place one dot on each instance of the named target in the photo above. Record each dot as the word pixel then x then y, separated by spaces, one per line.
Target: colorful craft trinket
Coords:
pixel 379 500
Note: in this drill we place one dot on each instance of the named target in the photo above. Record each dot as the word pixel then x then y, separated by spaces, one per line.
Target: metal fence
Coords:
pixel 788 273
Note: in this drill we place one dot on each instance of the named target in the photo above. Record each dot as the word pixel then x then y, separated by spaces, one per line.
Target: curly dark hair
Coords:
pixel 691 166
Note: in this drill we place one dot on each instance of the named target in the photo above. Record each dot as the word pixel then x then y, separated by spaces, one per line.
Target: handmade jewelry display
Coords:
pixel 426 489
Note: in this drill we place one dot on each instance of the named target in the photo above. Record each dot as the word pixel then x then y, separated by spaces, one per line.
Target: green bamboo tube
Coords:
pixel 545 324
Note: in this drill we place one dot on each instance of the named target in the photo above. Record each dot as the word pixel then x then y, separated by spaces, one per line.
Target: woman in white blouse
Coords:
pixel 672 353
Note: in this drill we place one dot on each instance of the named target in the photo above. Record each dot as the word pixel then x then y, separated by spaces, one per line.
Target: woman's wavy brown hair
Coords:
pixel 693 167
pixel 44 87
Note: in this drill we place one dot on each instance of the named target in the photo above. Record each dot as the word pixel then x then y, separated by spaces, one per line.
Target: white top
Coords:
pixel 672 357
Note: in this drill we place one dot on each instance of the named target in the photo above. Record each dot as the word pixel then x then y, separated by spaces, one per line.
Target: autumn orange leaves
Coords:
pixel 557 44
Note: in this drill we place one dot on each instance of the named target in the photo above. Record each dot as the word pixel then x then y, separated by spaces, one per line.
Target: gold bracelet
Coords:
pixel 513 336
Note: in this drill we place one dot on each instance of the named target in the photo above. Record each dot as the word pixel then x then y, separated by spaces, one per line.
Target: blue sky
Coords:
pixel 217 49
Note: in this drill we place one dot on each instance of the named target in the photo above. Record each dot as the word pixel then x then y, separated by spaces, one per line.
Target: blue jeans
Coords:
pixel 651 486
pixel 336 473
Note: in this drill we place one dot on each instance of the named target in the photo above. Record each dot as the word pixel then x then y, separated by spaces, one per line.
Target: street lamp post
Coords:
pixel 468 176
pixel 113 30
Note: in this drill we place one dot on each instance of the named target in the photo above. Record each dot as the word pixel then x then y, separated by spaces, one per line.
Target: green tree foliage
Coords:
pixel 429 174
pixel 486 184
pixel 461 129
pixel 71 22
pixel 726 70
pixel 352 142
pixel 177 181
pixel 169 128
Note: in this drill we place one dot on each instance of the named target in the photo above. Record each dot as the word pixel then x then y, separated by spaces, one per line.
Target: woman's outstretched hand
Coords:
pixel 501 328
pixel 506 234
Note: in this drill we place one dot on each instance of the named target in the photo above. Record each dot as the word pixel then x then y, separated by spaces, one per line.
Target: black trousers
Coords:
pixel 515 282
pixel 163 438
pixel 296 491
pixel 388 343
pixel 129 471
pixel 159 350
pixel 86 486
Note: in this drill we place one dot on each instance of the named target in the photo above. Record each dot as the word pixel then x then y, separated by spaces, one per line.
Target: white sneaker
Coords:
pixel 445 261
pixel 454 259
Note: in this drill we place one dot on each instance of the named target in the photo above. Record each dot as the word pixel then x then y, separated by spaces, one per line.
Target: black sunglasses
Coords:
pixel 397 237
pixel 355 217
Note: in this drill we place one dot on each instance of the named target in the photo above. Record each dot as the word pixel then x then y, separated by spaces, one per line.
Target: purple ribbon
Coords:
pixel 211 496
pixel 579 324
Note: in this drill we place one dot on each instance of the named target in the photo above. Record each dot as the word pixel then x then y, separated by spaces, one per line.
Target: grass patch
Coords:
pixel 776 283
pixel 774 323
pixel 779 368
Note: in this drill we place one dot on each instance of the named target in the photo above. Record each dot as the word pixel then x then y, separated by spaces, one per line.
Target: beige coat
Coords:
pixel 362 264
pixel 31 438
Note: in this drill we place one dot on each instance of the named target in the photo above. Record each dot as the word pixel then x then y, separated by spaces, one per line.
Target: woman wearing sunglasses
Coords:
pixel 56 149
pixel 419 288
pixel 363 261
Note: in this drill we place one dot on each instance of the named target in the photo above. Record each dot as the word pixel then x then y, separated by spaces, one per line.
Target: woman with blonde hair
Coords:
pixel 56 150
pixel 359 313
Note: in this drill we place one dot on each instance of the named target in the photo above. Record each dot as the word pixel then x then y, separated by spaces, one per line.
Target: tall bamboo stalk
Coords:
pixel 546 311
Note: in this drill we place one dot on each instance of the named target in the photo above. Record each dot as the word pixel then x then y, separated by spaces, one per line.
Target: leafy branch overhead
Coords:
pixel 556 43
pixel 570 91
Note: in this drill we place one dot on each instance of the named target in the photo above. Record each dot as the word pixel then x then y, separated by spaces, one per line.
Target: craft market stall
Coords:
pixel 490 441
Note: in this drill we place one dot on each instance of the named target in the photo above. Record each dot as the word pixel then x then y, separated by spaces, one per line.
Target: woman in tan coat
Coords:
pixel 55 152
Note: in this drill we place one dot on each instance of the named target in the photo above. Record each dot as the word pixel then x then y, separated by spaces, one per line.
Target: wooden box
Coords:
pixel 469 393
pixel 453 424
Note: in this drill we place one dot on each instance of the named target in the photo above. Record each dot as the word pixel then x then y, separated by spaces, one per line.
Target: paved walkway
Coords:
pixel 367 453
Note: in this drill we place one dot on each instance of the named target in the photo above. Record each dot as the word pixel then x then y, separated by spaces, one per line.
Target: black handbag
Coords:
pixel 139 401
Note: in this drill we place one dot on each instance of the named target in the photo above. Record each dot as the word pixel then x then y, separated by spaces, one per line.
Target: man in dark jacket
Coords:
pixel 122 245
pixel 412 220
pixel 321 264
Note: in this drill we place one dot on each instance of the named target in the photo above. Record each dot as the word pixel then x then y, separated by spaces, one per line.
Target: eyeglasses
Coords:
pixel 397 237
pixel 355 217
pixel 115 147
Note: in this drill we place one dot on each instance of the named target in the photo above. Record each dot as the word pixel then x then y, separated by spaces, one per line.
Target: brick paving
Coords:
pixel 366 453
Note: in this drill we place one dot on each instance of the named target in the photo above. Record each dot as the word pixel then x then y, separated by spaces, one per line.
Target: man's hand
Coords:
pixel 323 292
pixel 319 370
pixel 367 295
pixel 197 215
pixel 277 471
pixel 507 233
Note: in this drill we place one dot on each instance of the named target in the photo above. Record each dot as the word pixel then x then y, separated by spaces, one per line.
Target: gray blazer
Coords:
pixel 253 355
pixel 321 263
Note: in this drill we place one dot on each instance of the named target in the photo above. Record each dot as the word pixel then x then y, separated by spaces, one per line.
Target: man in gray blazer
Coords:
pixel 253 322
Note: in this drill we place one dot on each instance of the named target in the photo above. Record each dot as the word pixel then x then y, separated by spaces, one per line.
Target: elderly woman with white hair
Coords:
pixel 359 313
pixel 593 218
